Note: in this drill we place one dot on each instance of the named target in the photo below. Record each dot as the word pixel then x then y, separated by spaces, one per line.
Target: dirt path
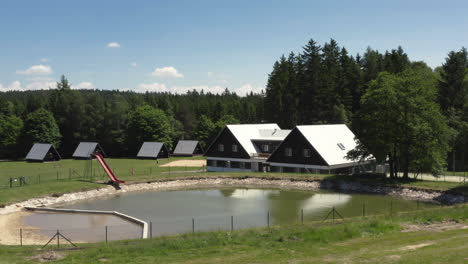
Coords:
pixel 438 227
pixel 185 163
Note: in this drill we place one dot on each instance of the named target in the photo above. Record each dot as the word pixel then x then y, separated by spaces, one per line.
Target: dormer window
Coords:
pixel 234 148
pixel 341 146
pixel 306 153
pixel 220 147
pixel 288 152
pixel 266 148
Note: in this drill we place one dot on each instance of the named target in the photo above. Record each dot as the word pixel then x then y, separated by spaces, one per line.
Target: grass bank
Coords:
pixel 66 176
pixel 372 240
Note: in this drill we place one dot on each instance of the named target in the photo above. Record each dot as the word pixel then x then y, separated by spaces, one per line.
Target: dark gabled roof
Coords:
pixel 39 152
pixel 185 147
pixel 85 149
pixel 151 149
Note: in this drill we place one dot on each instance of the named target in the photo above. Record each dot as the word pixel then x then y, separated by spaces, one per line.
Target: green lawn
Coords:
pixel 71 175
pixel 369 240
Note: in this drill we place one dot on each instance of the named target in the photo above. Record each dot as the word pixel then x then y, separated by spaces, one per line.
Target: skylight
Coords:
pixel 341 146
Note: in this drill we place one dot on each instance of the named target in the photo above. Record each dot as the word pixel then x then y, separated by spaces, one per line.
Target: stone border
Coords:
pixel 135 220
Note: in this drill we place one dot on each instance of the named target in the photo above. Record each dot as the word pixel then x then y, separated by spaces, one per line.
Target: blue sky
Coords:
pixel 180 45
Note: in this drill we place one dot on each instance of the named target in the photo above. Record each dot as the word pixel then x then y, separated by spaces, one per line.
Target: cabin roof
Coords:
pixel 85 149
pixel 150 149
pixel 186 147
pixel 39 151
pixel 332 142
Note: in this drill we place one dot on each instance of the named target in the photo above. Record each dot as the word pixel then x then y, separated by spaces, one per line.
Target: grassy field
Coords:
pixel 369 240
pixel 373 239
pixel 74 175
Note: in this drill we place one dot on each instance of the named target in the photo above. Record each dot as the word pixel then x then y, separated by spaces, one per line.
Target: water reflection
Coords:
pixel 172 211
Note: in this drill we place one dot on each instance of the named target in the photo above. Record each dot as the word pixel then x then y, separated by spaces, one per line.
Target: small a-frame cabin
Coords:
pixel 85 149
pixel 153 150
pixel 188 148
pixel 41 152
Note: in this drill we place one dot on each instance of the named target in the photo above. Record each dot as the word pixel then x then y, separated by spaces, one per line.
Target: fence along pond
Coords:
pixel 173 212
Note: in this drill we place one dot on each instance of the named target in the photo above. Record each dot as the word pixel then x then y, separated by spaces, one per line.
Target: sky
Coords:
pixel 176 46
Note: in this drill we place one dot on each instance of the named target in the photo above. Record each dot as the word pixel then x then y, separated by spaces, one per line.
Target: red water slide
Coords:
pixel 106 168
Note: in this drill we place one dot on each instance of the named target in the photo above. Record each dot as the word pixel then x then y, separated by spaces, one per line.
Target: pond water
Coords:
pixel 82 227
pixel 174 212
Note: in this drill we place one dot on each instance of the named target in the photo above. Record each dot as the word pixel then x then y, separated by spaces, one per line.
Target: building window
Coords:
pixel 307 153
pixel 248 165
pixel 228 164
pixel 220 147
pixel 266 148
pixel 234 148
pixel 211 163
pixel 341 146
pixel 288 152
pixel 241 165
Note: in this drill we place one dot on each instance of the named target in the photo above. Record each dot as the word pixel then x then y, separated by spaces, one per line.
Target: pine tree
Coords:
pixel 310 81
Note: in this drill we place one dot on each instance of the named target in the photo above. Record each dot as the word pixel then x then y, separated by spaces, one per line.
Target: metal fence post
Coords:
pixel 106 234
pixel 232 223
pixel 151 229
pixel 193 225
pixel 333 213
pixel 302 215
pixel 21 236
pixel 268 218
pixel 58 238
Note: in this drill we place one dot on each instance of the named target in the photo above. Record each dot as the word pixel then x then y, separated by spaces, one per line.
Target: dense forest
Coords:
pixel 403 110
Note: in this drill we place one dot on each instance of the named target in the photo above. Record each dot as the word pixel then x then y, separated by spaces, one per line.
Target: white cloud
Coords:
pixel 14 86
pixel 37 70
pixel 217 89
pixel 151 87
pixel 41 85
pixel 247 89
pixel 35 84
pixel 167 72
pixel 113 45
pixel 45 60
pixel 84 85
pixel 133 64
pixel 210 74
pixel 159 87
pixel 223 81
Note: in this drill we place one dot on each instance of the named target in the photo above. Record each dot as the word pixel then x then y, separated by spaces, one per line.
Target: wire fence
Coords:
pixel 93 174
pixel 214 222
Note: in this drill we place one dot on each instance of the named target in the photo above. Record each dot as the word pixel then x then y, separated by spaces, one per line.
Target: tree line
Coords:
pixel 119 121
pixel 401 110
